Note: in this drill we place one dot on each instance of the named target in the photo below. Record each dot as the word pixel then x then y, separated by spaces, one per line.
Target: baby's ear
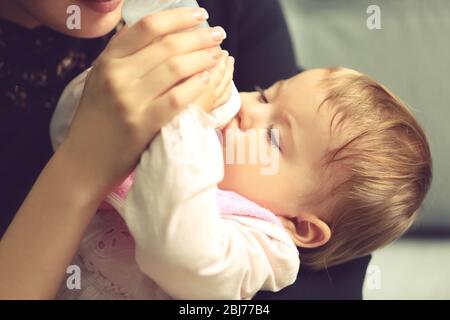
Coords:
pixel 307 231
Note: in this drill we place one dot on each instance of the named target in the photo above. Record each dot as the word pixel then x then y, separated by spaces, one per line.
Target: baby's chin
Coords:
pixel 233 125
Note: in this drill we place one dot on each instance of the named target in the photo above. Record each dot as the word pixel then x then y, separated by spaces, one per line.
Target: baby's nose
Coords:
pixel 244 121
pixel 252 116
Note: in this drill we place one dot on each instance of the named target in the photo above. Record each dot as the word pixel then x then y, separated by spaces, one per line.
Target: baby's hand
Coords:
pixel 220 84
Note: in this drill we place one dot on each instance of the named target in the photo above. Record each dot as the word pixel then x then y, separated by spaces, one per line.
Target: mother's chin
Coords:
pixel 76 18
pixel 98 17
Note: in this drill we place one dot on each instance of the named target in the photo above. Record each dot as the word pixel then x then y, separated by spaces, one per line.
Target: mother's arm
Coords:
pixel 124 103
pixel 36 248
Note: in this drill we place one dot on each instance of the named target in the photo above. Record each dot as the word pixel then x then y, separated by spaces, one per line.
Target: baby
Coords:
pixel 352 167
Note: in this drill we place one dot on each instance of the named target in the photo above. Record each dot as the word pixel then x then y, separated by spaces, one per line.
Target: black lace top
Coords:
pixel 35 66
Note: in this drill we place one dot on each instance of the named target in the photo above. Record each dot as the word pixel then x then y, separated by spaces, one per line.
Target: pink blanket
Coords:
pixel 230 203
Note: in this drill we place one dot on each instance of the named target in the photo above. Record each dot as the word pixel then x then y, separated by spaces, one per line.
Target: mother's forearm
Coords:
pixel 45 233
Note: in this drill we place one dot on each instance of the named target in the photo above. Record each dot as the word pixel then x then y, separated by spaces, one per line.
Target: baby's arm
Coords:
pixel 182 242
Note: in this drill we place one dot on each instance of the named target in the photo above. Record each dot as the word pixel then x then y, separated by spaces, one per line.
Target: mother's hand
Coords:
pixel 220 85
pixel 146 75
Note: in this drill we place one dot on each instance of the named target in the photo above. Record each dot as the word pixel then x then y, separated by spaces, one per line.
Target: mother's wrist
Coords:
pixel 88 186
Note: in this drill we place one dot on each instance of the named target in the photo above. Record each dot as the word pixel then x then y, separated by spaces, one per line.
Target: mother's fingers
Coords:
pixel 164 108
pixel 223 91
pixel 227 77
pixel 219 71
pixel 172 45
pixel 153 27
pixel 176 70
pixel 221 78
pixel 208 100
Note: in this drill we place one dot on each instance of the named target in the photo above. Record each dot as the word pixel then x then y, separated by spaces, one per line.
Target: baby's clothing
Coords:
pixel 171 233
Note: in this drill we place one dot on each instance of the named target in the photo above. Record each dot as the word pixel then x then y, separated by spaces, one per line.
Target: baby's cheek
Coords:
pixel 251 162
pixel 235 178
pixel 235 147
pixel 258 150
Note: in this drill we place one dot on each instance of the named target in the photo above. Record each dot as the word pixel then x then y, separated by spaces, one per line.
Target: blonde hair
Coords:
pixel 387 169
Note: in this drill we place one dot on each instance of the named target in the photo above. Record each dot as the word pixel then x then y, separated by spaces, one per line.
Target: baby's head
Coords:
pixel 353 164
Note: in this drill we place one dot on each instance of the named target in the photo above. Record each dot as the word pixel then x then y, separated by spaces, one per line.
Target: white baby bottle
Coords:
pixel 134 10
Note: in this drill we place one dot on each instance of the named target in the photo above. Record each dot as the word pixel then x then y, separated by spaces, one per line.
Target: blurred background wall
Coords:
pixel 410 54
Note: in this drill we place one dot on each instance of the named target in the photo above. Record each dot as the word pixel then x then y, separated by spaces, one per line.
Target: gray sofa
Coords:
pixel 410 54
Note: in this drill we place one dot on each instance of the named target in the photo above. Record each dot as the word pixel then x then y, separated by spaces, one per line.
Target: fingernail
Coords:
pixel 218 34
pixel 215 52
pixel 225 53
pixel 205 77
pixel 201 14
pixel 232 60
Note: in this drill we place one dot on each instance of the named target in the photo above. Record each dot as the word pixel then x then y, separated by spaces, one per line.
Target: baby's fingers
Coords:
pixel 219 70
pixel 223 91
pixel 217 85
pixel 225 97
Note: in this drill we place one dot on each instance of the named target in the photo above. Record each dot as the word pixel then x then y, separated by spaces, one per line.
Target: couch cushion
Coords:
pixel 410 54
